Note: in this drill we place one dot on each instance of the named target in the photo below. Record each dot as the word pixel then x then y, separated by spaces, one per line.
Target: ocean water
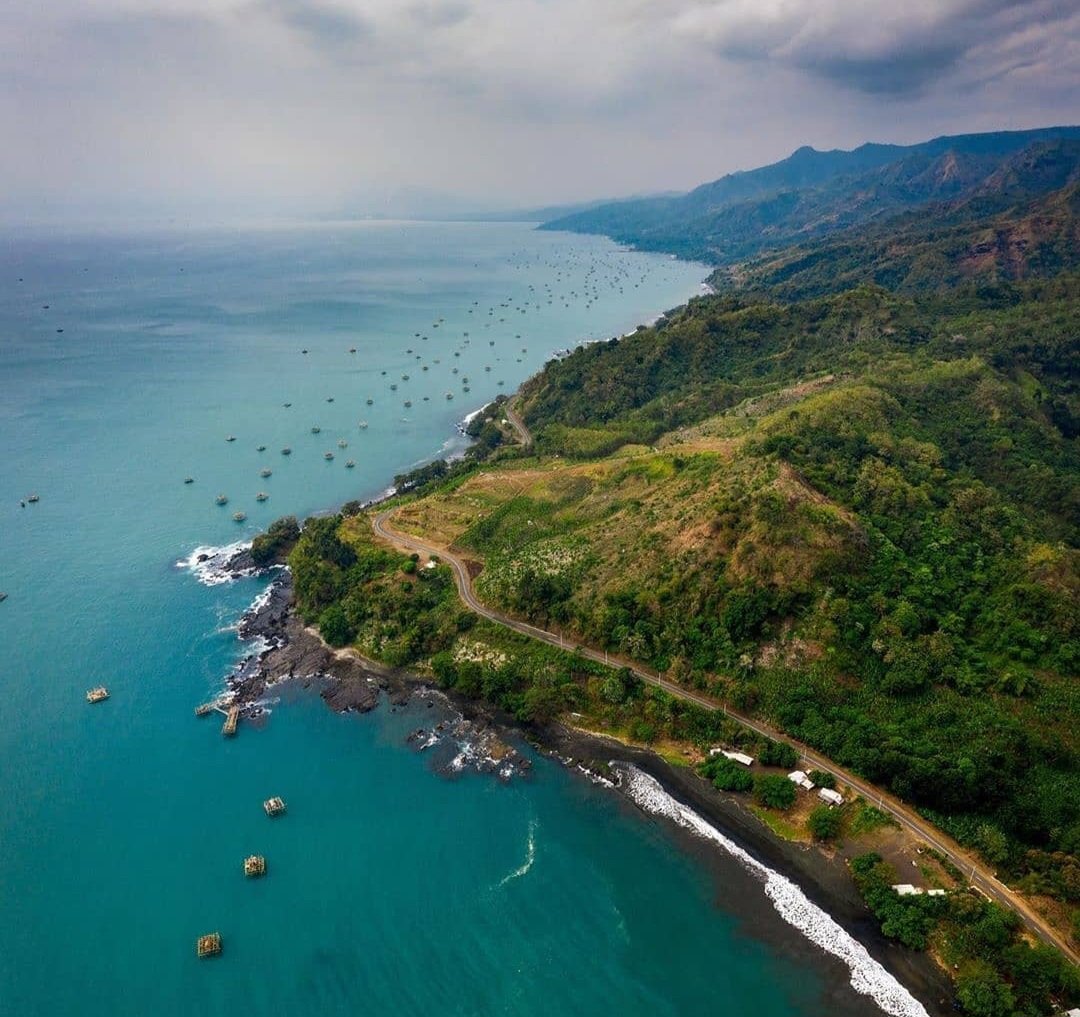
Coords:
pixel 125 363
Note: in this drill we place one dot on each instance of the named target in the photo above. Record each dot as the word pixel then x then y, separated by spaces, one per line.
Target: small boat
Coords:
pixel 287 405
pixel 3 597
pixel 98 695
pixel 316 429
pixel 352 349
pixel 393 388
pixel 33 499
pixel 286 451
pixel 407 404
pixel 189 480
pixel 239 517
pixel 370 402
pixel 303 351
pixel 350 464
pixel 231 437
pixel 342 443
pixel 328 456
pixel 329 399
pixel 449 395
pixel 261 496
pixel 265 472
pixel 362 425
pixel 221 499
pixel 260 448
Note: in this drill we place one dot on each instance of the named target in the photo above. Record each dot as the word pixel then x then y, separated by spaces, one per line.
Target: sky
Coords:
pixel 262 108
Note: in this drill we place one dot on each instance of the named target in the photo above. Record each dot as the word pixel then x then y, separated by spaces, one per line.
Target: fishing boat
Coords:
pixel 316 429
pixel 189 480
pixel 362 425
pixel 286 451
pixel 222 499
pixel 342 443
pixel 328 456
pixel 261 496
pixel 98 695
pixel 239 517
pixel 260 448
pixel 370 402
pixel 350 465
pixel 231 437
pixel 265 472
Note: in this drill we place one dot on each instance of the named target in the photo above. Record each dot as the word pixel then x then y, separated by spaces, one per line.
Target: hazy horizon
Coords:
pixel 208 110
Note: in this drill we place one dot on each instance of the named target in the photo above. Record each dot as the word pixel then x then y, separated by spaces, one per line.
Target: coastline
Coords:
pixel 286 654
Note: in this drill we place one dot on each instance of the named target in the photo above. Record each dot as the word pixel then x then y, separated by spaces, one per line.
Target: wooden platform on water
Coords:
pixel 274 806
pixel 98 695
pixel 208 945
pixel 228 729
pixel 254 866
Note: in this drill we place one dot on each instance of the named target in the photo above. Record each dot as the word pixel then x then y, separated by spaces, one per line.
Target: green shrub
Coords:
pixel 822 778
pixel 778 754
pixel 728 775
pixel 774 791
pixel 824 823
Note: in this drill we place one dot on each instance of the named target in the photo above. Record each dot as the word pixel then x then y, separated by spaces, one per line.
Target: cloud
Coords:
pixel 873 46
pixel 323 104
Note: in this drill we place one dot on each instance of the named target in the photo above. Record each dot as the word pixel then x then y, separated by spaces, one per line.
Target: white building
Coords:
pixel 800 778
pixel 827 794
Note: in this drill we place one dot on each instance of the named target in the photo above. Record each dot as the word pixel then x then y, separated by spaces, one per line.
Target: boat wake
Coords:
pixel 530 857
pixel 868 977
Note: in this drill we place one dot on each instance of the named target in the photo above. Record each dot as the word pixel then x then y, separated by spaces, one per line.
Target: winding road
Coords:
pixel 977 874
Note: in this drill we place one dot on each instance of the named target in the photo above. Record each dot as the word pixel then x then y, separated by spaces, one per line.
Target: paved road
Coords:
pixel 977 874
pixel 523 433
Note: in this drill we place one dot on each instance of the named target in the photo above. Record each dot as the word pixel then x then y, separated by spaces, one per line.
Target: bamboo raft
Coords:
pixel 274 806
pixel 228 729
pixel 98 695
pixel 208 945
pixel 254 866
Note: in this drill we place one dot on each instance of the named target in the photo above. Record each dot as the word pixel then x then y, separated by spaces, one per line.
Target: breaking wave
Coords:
pixel 211 566
pixel 868 977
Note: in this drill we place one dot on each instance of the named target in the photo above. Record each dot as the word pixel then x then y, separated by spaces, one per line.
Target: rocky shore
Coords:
pixel 463 735
pixel 459 735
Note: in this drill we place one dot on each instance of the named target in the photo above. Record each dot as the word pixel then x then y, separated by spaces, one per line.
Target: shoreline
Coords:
pixel 285 653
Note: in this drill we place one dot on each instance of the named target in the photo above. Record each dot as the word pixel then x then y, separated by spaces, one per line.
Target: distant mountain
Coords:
pixel 1022 220
pixel 813 194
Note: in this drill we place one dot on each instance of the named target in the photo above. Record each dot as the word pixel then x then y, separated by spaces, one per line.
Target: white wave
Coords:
pixel 868 977
pixel 530 857
pixel 208 564
pixel 470 417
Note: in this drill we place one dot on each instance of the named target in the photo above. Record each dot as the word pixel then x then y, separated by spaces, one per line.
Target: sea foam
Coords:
pixel 868 977
pixel 209 565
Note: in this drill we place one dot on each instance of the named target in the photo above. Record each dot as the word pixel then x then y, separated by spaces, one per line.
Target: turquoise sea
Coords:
pixel 125 363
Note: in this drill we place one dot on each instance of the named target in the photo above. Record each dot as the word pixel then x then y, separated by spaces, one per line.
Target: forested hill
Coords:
pixel 814 194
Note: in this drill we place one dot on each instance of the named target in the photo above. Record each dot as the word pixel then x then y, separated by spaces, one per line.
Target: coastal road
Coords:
pixel 977 874
pixel 523 433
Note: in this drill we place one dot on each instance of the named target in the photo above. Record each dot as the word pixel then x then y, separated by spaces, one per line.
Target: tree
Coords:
pixel 822 778
pixel 824 823
pixel 778 754
pixel 335 627
pixel 728 775
pixel 982 992
pixel 774 791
